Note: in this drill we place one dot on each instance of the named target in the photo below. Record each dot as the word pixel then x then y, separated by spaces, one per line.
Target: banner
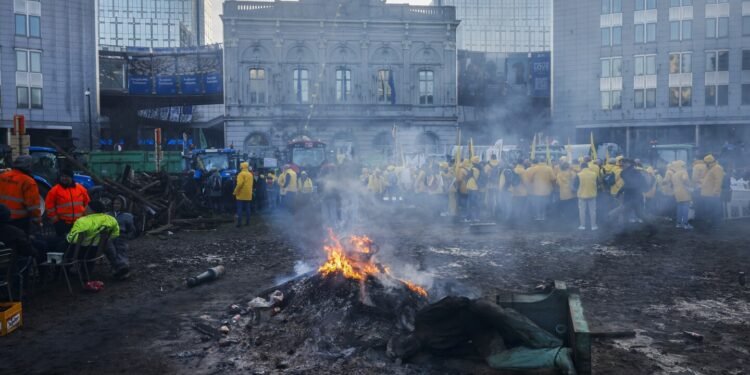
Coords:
pixel 540 74
pixel 139 85
pixel 139 75
pixel 190 84
pixel 213 83
pixel 166 85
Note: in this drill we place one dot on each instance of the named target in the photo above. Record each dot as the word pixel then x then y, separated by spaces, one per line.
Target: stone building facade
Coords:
pixel 345 72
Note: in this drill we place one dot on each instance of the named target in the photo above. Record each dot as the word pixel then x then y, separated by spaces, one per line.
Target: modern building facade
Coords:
pixel 670 71
pixel 159 23
pixel 47 64
pixel 503 26
pixel 345 72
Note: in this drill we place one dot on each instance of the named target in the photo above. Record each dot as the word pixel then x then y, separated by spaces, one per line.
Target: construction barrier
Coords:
pixel 739 206
pixel 112 164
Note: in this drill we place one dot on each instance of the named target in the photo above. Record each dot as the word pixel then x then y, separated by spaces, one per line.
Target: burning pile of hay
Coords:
pixel 354 316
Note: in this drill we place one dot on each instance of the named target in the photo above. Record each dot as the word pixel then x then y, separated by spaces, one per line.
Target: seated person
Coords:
pixel 13 237
pixel 16 239
pixel 117 249
pixel 90 226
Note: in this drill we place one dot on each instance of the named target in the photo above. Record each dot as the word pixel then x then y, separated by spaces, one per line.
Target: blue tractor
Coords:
pixel 203 162
pixel 46 167
pixel 224 160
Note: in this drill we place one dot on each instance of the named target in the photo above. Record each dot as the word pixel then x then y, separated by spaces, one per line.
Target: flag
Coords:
pixel 204 143
pixel 593 148
pixel 471 149
pixel 457 157
pixel 569 151
pixel 533 148
pixel 392 86
pixel 298 74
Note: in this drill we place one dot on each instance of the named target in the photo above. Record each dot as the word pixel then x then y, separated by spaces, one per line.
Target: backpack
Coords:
pixel 482 180
pixel 494 177
pixel 515 179
pixel 609 180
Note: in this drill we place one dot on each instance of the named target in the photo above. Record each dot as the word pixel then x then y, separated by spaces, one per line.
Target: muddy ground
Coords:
pixel 657 281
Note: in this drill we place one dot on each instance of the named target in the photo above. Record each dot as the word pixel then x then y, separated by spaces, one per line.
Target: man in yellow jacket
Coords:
pixel 586 193
pixel 519 194
pixel 243 193
pixel 681 190
pixel 564 180
pixel 89 230
pixel 540 179
pixel 696 177
pixel 290 186
pixel 711 191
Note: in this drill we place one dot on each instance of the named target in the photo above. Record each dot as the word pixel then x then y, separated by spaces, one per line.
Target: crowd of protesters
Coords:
pixel 598 192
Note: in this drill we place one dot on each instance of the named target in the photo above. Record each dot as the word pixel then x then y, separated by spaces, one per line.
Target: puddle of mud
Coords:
pixel 668 363
pixel 718 310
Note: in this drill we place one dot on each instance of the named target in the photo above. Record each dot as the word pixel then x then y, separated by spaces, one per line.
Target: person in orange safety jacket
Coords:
pixel 65 203
pixel 20 193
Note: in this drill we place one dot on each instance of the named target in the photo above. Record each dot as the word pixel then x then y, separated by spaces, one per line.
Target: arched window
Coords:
pixel 383 142
pixel 343 85
pixel 258 86
pixel 386 87
pixel 426 87
pixel 301 80
pixel 428 142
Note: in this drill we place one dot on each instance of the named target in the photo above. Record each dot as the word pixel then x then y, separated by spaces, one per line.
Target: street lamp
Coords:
pixel 91 137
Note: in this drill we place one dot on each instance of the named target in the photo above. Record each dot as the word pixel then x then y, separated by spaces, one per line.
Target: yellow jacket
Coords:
pixel 666 183
pixel 243 190
pixel 711 186
pixel 619 183
pixel 420 183
pixel 586 184
pixel 681 182
pixel 651 192
pixel 462 178
pixel 290 180
pixel 520 189
pixel 540 177
pixel 281 180
pixel 305 185
pixel 699 172
pixel 91 227
pixel 376 183
pixel 565 183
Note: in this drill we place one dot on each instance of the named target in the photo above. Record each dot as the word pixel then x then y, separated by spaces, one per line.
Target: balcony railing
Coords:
pixel 304 10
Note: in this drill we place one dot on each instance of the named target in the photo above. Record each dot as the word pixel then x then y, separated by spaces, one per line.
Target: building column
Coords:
pixel 697 136
pixel 627 141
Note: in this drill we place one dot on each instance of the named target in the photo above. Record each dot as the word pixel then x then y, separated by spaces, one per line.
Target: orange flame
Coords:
pixel 415 288
pixel 354 262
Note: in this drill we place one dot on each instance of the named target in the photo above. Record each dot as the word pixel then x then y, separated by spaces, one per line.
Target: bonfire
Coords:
pixel 357 262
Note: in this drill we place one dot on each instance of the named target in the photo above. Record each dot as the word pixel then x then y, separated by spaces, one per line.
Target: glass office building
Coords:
pixel 156 23
pixel 503 26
